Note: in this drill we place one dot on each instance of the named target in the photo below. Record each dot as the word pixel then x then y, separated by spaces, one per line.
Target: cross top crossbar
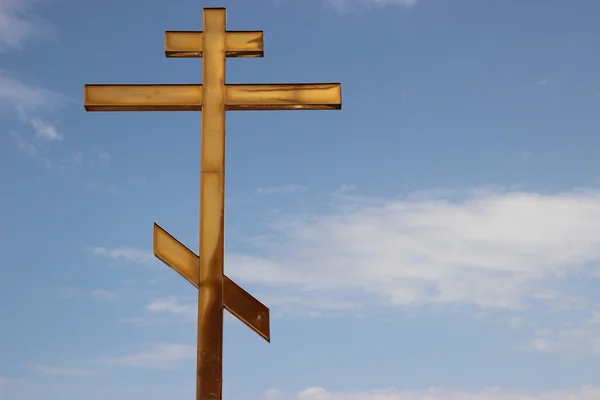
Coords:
pixel 190 44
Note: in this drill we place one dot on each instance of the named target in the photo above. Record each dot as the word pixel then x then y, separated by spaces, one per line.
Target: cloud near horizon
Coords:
pixel 19 388
pixel 319 393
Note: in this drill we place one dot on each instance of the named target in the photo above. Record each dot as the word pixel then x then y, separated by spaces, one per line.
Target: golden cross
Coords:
pixel 213 98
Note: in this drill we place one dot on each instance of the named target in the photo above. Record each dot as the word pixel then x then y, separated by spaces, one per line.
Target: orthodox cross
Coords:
pixel 214 97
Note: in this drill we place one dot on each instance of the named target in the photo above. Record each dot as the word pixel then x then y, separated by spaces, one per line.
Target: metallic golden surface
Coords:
pixel 323 96
pixel 212 209
pixel 235 299
pixel 143 97
pixel 190 44
pixel 176 255
pixel 298 96
pixel 246 308
pixel 213 98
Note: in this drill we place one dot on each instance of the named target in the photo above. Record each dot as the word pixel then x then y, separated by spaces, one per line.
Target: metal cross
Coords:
pixel 214 97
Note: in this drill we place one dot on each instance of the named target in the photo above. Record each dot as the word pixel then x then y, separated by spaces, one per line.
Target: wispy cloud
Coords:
pixel 347 187
pixel 525 155
pixel 280 304
pixel 19 23
pixel 46 370
pixel 102 294
pixel 161 356
pixel 24 98
pixel 491 248
pixel 488 249
pixel 23 144
pixel 100 187
pixel 45 130
pixel 312 306
pixel 29 148
pixel 284 189
pixel 170 305
pixel 344 6
pixel 433 393
pixel 27 102
pixel 594 318
pixel 141 321
pixel 127 254
pixel 581 340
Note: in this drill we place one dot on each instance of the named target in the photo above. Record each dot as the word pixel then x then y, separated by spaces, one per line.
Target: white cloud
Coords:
pixel 319 393
pixel 102 294
pixel 312 306
pixel 45 130
pixel 18 24
pixel 141 321
pixel 46 370
pixel 18 96
pixel 162 356
pixel 517 322
pixel 171 305
pixel 575 341
pixel 23 101
pixel 492 248
pixel 284 189
pixel 542 344
pixel 130 255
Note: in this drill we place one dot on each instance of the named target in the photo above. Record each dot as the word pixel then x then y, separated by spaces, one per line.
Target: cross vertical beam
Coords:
pixel 212 209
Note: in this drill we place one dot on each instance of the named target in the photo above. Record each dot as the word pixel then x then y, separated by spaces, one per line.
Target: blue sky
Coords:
pixel 437 239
